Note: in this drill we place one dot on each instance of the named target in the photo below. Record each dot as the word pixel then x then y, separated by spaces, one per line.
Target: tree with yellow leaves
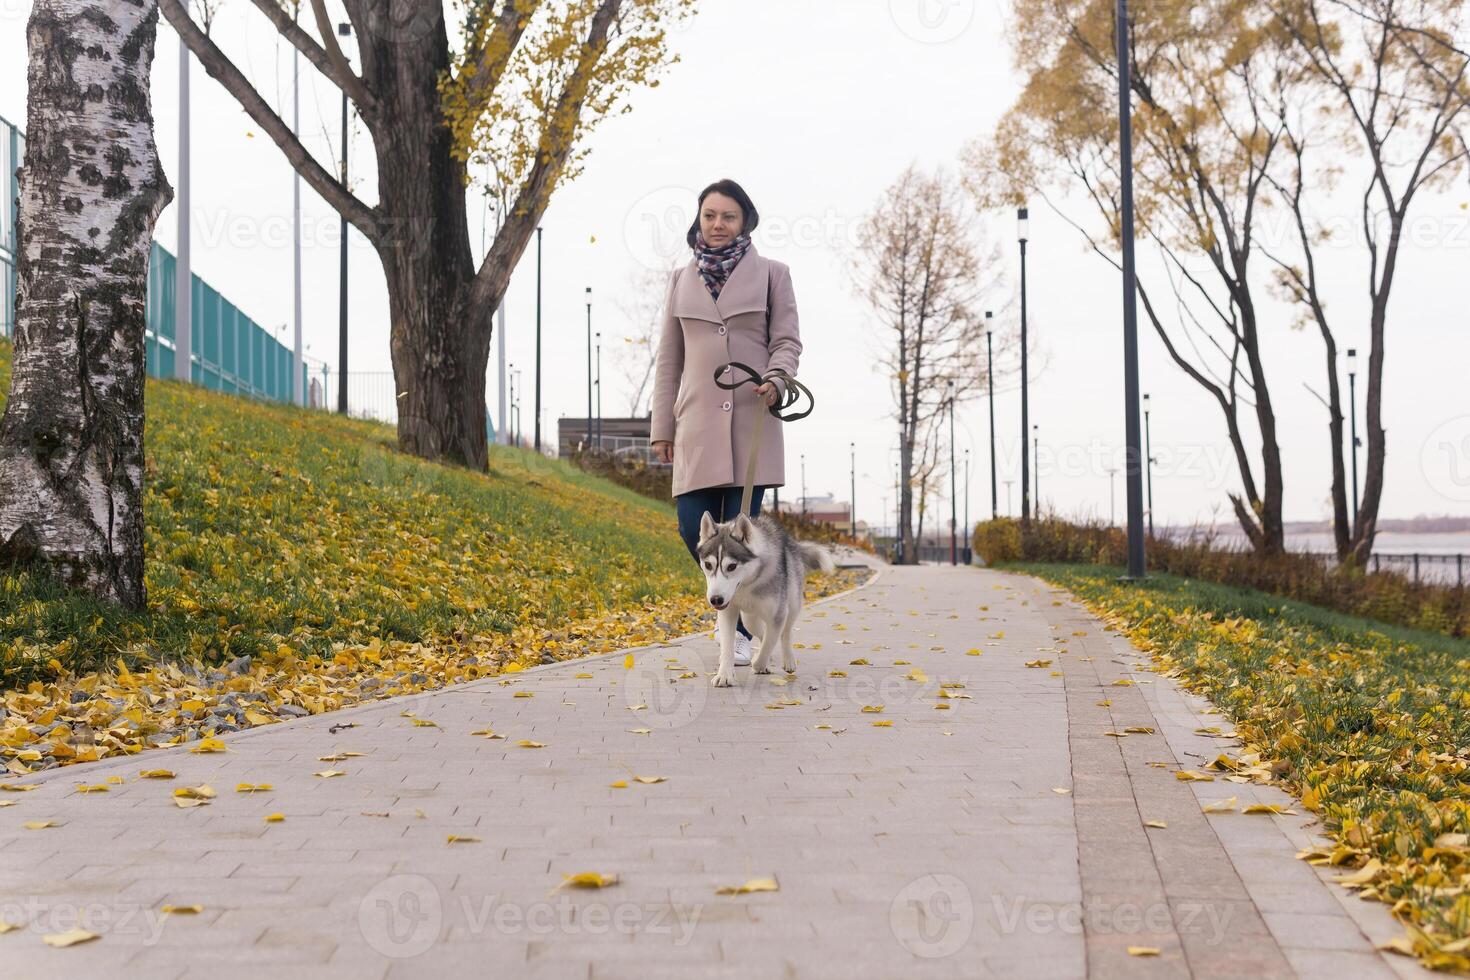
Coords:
pixel 519 93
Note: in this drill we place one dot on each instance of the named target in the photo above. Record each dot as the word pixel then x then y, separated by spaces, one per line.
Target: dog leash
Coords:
pixel 793 391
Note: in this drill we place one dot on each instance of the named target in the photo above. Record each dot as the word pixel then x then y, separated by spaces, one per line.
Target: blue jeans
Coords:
pixel 722 504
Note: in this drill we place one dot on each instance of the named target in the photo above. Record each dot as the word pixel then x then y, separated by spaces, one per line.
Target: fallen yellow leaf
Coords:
pixel 753 885
pixel 587 879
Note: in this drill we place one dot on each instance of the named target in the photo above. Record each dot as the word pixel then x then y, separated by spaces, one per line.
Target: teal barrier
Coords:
pixel 230 351
pixel 12 151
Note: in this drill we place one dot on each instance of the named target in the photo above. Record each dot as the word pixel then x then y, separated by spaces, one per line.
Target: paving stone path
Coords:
pixel 1003 836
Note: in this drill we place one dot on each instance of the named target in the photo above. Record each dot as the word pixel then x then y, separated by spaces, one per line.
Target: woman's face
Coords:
pixel 720 219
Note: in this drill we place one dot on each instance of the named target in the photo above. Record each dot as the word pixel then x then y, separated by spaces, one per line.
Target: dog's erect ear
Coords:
pixel 706 526
pixel 742 528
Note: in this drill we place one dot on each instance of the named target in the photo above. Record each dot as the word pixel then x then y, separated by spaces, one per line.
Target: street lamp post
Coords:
pixel 344 30
pixel 852 491
pixel 1130 303
pixel 803 486
pixel 953 544
pixel 1025 409
pixel 296 358
pixel 897 514
pixel 536 401
pixel 599 391
pixel 510 426
pixel 1148 453
pixel 183 278
pixel 589 366
pixel 1352 364
pixel 515 410
pixel 990 384
pixel 1036 457
pixel 967 496
pixel 1112 496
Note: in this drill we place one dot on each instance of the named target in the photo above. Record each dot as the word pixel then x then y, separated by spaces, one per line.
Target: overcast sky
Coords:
pixel 815 106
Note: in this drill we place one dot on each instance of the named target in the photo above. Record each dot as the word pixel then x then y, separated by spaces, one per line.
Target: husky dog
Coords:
pixel 755 572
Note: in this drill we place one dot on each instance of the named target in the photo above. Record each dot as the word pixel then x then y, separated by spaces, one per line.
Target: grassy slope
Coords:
pixel 270 524
pixel 1372 722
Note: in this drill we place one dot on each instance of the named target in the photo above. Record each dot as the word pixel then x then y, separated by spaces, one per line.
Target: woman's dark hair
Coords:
pixel 749 215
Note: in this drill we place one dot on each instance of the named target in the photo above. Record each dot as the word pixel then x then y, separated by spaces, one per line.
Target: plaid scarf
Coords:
pixel 716 264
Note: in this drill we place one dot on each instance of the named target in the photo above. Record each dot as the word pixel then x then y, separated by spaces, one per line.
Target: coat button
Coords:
pixel 722 331
pixel 726 406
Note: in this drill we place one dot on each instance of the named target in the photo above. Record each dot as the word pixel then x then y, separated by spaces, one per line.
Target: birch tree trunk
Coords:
pixel 71 440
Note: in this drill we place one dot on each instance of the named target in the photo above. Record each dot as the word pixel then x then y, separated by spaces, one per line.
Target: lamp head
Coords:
pixel 1352 359
pixel 1023 224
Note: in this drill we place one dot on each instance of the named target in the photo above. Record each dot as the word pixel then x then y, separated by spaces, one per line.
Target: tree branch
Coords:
pixel 223 70
pixel 530 203
pixel 329 60
pixel 495 53
pixel 345 78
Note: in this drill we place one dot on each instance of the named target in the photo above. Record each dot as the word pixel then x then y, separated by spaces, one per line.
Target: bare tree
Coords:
pixel 919 268
pixel 1393 88
pixel 527 81
pixel 71 440
pixel 1200 170
pixel 634 358
pixel 1231 98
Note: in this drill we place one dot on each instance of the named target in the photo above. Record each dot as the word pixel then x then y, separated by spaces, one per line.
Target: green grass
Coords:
pixel 1369 722
pixel 1229 600
pixel 268 524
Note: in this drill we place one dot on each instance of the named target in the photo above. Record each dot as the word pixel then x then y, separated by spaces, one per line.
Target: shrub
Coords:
pixel 1385 595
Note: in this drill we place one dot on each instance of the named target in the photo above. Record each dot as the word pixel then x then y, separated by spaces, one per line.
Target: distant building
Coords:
pixel 620 435
pixel 824 509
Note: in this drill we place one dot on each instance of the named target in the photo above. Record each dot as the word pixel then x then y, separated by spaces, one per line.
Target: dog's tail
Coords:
pixel 816 557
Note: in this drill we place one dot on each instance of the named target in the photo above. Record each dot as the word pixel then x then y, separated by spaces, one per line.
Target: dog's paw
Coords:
pixel 723 680
pixel 760 668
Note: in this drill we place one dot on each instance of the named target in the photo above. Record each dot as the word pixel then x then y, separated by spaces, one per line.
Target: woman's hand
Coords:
pixel 663 451
pixel 768 393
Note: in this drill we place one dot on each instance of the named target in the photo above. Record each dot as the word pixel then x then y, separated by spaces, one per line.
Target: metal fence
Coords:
pixel 1430 568
pixel 230 351
pixel 12 151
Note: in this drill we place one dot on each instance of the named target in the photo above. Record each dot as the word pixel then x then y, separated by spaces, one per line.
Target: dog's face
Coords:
pixel 725 556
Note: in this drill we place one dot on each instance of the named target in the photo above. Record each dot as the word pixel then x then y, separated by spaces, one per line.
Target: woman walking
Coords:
pixel 729 303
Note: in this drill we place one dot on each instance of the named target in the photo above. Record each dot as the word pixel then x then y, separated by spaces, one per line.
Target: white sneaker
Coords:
pixel 742 650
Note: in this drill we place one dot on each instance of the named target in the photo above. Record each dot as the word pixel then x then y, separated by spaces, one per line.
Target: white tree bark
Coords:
pixel 71 440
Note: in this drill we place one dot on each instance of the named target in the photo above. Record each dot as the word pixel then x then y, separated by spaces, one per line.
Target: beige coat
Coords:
pixel 709 426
